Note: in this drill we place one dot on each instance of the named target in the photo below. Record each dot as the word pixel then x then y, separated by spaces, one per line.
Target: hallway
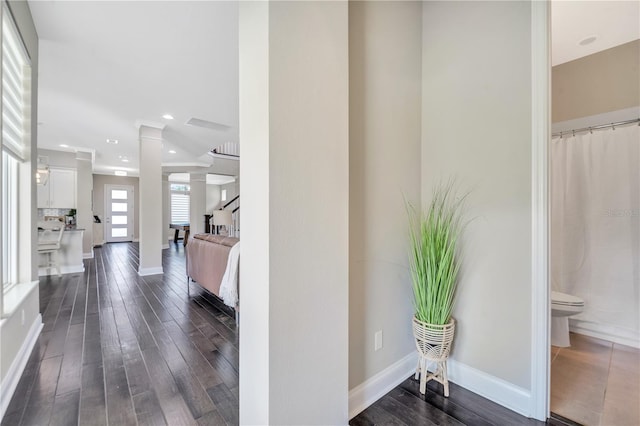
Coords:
pixel 117 349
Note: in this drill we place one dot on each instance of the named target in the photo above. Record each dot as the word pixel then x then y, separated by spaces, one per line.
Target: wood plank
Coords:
pixel 120 408
pixel 128 340
pixel 212 418
pixel 148 410
pixel 92 350
pixel 225 403
pixel 224 347
pixel 446 405
pixel 92 295
pixel 169 351
pixel 53 305
pixel 375 415
pixel 66 409
pixel 173 405
pixel 149 315
pixel 38 409
pixel 482 406
pixel 140 328
pixel 80 304
pixel 137 375
pixel 193 393
pixel 71 371
pixel 193 357
pixel 409 403
pixel 93 409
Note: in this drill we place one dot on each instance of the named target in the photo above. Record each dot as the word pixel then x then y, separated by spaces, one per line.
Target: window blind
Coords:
pixel 179 207
pixel 16 89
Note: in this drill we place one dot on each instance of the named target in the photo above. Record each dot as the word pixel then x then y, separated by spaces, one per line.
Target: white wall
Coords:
pixel 167 233
pixel 294 131
pixel 59 158
pixel 232 189
pixel 254 170
pixel 13 329
pixel 385 40
pixel 476 122
pixel 84 201
pixel 150 200
pixel 212 198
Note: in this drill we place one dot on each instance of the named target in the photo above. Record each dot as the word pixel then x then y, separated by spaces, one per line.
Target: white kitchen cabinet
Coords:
pixel 60 190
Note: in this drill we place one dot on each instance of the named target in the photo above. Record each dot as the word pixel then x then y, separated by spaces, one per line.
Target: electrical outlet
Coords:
pixel 378 340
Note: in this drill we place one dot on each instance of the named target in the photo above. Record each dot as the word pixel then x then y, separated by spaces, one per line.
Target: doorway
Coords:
pixel 594 366
pixel 118 213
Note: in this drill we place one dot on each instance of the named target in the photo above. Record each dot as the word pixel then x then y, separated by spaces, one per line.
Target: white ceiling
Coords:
pixel 612 22
pixel 106 65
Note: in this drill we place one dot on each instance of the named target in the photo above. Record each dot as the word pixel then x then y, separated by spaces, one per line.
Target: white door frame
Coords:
pixel 540 134
pixel 107 212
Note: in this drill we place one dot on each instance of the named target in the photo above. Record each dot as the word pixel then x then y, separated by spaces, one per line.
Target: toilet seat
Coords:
pixel 563 299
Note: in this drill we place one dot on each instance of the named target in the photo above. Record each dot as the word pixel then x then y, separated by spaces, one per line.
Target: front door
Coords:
pixel 118 213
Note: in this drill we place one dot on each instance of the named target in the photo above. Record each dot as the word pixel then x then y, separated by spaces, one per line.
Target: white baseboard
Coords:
pixel 136 240
pixel 610 334
pixel 165 246
pixel 143 272
pixel 10 383
pixel 493 388
pixel 377 386
pixel 88 255
pixel 74 269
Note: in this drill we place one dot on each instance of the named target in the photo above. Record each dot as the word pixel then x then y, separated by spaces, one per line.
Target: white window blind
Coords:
pixel 16 89
pixel 180 200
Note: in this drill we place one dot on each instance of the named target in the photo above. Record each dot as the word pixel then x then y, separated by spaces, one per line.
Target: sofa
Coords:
pixel 207 256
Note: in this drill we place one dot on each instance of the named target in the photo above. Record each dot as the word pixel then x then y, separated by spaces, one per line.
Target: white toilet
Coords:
pixel 563 306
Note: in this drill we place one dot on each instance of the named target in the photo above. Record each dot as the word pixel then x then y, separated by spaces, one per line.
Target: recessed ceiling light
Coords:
pixel 168 117
pixel 112 141
pixel 64 145
pixel 120 173
pixel 125 160
pixel 171 151
pixel 588 40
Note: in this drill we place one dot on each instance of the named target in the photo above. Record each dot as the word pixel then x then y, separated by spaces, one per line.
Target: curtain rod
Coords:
pixel 590 129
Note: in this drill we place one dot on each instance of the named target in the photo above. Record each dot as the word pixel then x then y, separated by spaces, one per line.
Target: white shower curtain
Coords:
pixel 595 229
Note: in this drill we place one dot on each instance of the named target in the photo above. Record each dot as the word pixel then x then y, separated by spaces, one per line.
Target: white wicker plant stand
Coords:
pixel 433 343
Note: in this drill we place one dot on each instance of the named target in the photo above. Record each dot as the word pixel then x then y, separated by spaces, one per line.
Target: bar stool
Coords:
pixel 49 243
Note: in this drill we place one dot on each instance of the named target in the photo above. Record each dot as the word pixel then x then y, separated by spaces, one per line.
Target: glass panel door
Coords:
pixel 119 213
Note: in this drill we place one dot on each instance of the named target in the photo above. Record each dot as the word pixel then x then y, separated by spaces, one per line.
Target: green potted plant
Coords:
pixel 71 217
pixel 434 260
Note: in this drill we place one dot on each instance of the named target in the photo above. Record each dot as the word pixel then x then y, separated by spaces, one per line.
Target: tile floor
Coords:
pixel 595 382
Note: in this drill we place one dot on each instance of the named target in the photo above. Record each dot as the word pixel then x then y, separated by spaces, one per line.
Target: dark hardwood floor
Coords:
pixel 404 405
pixel 121 349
